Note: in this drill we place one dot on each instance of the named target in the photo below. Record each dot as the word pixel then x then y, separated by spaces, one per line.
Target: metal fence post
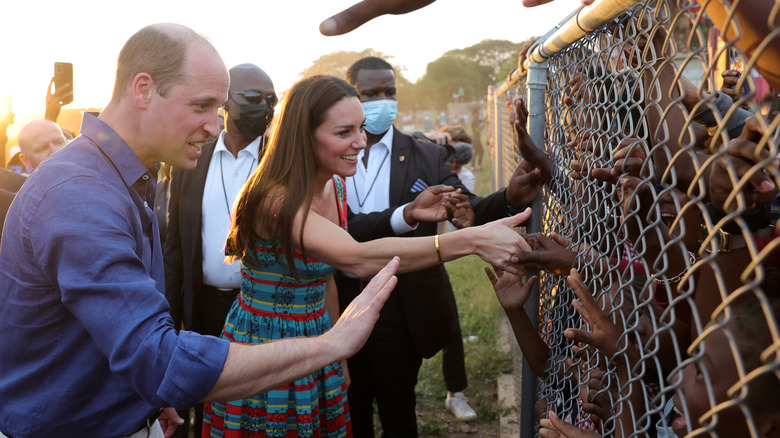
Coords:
pixel 498 178
pixel 536 83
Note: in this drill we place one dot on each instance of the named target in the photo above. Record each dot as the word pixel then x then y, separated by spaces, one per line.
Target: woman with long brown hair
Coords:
pixel 290 233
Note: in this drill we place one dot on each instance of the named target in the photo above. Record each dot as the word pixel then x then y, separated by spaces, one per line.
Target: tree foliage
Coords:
pixel 337 64
pixel 469 70
pixel 489 53
pixel 447 77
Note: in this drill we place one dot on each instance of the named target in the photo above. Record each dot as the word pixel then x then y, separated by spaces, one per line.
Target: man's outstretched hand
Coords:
pixel 355 16
pixel 360 13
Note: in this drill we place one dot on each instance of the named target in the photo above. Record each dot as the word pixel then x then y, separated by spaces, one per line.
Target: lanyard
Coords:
pixel 354 184
pixel 222 175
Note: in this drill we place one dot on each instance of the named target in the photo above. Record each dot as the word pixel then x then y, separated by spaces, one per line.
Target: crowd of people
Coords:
pixel 279 264
pixel 284 219
pixel 659 259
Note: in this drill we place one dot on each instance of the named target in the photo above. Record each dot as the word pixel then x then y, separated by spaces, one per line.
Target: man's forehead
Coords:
pixel 376 78
pixel 252 83
pixel 250 78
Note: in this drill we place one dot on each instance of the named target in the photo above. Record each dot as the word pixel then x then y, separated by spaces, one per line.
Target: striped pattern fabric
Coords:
pixel 274 305
pixel 418 186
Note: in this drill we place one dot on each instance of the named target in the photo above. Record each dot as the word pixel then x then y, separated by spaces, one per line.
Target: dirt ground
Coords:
pixel 441 423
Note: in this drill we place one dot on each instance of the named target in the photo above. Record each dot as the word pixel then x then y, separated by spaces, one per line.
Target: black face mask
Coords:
pixel 253 120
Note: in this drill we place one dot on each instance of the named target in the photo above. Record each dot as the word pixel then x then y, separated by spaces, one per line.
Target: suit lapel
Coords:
pixel 399 168
pixel 195 192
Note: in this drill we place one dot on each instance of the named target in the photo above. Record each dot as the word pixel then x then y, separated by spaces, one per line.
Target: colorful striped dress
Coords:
pixel 274 305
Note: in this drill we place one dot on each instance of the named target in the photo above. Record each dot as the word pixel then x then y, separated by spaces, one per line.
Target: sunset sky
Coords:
pixel 280 36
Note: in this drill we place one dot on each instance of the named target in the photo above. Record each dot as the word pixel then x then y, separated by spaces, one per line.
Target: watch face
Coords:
pixel 721 239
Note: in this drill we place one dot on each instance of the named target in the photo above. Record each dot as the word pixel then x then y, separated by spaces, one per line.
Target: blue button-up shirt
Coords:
pixel 89 348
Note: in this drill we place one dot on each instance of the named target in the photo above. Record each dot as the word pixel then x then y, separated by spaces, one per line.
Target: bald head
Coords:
pixel 38 140
pixel 160 50
pixel 251 88
pixel 242 74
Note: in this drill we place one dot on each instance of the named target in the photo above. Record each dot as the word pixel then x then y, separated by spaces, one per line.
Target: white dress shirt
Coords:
pixel 362 197
pixel 225 177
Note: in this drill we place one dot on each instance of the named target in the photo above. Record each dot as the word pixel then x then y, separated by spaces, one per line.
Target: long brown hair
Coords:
pixel 288 168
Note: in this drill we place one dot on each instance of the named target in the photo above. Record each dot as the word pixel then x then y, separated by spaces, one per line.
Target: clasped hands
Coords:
pixel 440 203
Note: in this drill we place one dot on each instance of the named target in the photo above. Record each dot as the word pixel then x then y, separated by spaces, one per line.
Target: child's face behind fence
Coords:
pixel 704 391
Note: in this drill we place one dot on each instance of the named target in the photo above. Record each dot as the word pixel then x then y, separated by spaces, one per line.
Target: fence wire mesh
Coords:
pixel 663 196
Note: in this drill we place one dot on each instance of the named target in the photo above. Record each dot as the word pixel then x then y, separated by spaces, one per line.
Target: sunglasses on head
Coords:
pixel 256 98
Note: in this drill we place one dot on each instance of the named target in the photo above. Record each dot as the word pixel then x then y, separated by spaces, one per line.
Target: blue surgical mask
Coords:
pixel 380 115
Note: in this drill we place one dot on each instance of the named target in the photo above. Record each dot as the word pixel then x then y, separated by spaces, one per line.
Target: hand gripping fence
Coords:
pixel 662 123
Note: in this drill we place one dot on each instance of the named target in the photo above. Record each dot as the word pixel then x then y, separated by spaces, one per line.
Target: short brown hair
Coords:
pixel 458 133
pixel 160 51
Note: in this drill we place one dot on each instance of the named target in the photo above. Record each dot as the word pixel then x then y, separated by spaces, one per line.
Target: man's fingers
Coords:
pixel 351 18
pixel 533 3
pixel 439 189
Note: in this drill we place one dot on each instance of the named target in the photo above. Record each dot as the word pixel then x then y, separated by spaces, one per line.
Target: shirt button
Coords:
pixel 145 177
pixel 146 204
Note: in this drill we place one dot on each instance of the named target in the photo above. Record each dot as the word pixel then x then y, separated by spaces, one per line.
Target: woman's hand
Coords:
pixel 498 242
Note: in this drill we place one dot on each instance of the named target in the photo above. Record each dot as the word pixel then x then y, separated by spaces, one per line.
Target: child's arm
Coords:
pixel 606 337
pixel 512 292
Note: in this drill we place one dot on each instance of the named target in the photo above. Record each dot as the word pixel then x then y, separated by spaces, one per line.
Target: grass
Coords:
pixel 479 312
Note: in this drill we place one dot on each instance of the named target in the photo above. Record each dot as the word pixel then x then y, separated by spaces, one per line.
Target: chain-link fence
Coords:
pixel 661 121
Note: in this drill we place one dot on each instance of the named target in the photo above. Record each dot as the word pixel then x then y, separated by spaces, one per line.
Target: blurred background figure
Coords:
pixel 38 140
pixel 477 126
pixel 462 156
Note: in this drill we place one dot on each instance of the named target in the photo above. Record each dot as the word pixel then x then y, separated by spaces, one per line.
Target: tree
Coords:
pixel 337 64
pixel 489 53
pixel 447 75
pixel 500 55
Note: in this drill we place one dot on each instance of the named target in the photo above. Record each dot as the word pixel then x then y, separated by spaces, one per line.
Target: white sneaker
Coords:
pixel 459 406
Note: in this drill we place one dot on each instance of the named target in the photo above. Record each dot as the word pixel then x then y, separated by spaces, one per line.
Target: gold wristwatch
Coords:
pixel 726 241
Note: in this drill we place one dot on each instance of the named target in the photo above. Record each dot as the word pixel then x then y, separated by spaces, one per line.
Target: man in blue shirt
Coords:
pixel 89 347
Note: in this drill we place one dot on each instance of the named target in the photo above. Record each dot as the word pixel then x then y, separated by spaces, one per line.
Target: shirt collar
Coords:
pixel 386 141
pixel 252 148
pixel 126 162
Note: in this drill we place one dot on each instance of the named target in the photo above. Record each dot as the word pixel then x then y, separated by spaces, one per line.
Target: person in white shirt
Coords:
pixel 200 286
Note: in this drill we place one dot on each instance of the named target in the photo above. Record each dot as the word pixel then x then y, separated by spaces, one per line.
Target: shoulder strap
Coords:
pixel 341 200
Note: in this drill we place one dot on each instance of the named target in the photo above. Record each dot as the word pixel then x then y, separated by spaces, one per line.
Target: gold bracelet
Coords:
pixel 438 251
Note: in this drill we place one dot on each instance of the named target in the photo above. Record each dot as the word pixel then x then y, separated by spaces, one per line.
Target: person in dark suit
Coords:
pixel 200 286
pixel 415 322
pixel 10 183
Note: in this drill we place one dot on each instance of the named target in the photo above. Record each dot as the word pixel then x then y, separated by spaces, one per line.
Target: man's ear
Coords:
pixel 25 161
pixel 143 90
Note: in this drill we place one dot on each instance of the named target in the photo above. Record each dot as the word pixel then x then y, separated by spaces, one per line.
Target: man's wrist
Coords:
pixel 408 216
pixel 399 223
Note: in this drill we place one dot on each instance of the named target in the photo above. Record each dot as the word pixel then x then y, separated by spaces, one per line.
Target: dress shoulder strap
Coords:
pixel 341 199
